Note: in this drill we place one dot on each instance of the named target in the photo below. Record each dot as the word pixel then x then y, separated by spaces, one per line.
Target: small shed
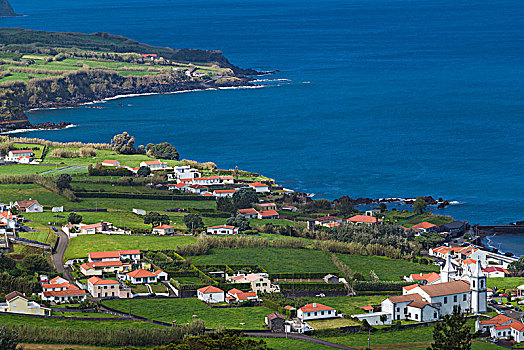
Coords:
pixel 276 322
pixel 329 278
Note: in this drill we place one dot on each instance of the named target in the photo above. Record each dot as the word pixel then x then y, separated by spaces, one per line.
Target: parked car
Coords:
pixel 509 305
pixel 518 309
pixel 321 295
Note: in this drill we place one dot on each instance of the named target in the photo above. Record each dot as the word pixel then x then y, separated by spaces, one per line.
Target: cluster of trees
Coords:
pixel 156 219
pixel 124 144
pixel 63 182
pixel 239 221
pixel 516 268
pixel 74 218
pixel 99 170
pixel 242 199
pixel 163 150
pixel 193 222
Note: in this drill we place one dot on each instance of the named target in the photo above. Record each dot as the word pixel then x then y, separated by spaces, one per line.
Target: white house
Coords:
pixel 14 155
pixel 495 271
pixel 111 163
pixel 363 220
pixel 211 294
pixel 250 213
pixel 29 206
pixel 222 230
pixel 501 327
pixel 183 172
pixel 139 211
pixel 259 187
pixel 197 189
pixel 163 230
pixel 100 288
pixel 328 220
pixel 141 276
pixel 154 165
pixel 224 193
pixel 18 303
pixel 268 214
pixel 316 311
pixel 374 318
pixel 60 290
pixel 240 296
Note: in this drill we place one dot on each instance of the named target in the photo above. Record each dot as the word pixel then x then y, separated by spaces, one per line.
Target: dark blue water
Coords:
pixel 386 98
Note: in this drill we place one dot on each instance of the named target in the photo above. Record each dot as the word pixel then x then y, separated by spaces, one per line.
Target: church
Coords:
pixel 424 303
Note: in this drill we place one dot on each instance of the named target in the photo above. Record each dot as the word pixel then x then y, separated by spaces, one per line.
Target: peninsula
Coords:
pixel 57 69
pixel 6 10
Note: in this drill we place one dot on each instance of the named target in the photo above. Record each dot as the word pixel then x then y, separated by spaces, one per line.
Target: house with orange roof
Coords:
pixel 267 206
pixel 102 288
pixel 60 290
pixel 222 230
pixel 141 276
pixel 29 206
pixel 154 165
pixel 495 271
pixel 259 187
pixel 14 155
pixel 364 220
pixel 163 230
pixel 316 311
pixel 502 327
pixel 211 294
pixel 98 268
pixel 111 163
pixel 268 214
pixel 249 213
pixel 425 227
pixel 424 278
pixel 197 189
pixel 322 221
pixel 115 255
pixel 236 295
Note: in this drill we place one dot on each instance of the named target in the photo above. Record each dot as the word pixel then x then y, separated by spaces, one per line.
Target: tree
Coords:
pixel 9 339
pixel 319 205
pixel 193 221
pixel 244 198
pixel 452 333
pixel 225 204
pixel 236 173
pixel 419 206
pixel 143 171
pixel 64 182
pixel 239 221
pixel 123 143
pixel 6 262
pixel 344 206
pixel 383 318
pixel 74 218
pixel 163 150
pixel 156 219
pixel 383 207
pixel 516 268
pixel 35 263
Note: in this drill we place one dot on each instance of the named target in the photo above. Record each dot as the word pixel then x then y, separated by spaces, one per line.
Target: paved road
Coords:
pixel 58 256
pixel 296 337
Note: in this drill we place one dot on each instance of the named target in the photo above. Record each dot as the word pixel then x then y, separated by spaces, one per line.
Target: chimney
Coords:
pixel 315 305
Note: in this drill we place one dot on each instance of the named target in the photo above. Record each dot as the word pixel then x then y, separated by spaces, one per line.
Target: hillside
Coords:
pixel 53 69
pixel 6 10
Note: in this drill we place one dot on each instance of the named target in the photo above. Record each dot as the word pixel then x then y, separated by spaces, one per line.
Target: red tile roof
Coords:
pixel 222 226
pixel 99 281
pixel 495 269
pixel 366 308
pixel 140 273
pixel 258 184
pixel 315 307
pixel 21 151
pixel 429 277
pixel 102 255
pixel 65 292
pixel 151 162
pixel 455 287
pixel 210 289
pixel 327 218
pixel 469 261
pixel 13 295
pixel 364 218
pixel 249 211
pixel 163 227
pixel 410 287
pixel 268 213
pixel 424 225
pixel 225 191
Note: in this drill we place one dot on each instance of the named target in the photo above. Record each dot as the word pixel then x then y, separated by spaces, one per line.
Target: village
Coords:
pixel 169 242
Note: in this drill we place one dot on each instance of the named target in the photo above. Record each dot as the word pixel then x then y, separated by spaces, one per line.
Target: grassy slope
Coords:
pixel 182 310
pixel 65 323
pixel 272 259
pixel 81 245
pixel 386 269
pixel 505 282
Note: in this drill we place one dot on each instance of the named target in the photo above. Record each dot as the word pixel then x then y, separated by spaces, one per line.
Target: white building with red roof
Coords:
pixel 163 230
pixel 502 327
pixel 324 220
pixel 316 311
pixel 425 227
pixel 15 155
pixel 115 255
pixel 141 276
pixel 222 230
pixel 100 267
pixel 249 213
pixel 364 220
pixel 224 193
pixel 111 163
pixel 268 214
pixel 29 206
pixel 60 290
pixel 154 165
pixel 236 295
pixel 424 278
pixel 259 187
pixel 18 303
pixel 495 271
pixel 211 294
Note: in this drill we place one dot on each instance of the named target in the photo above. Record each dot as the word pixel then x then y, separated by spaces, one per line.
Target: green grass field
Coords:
pixel 291 344
pixel 65 323
pixel 14 192
pixel 24 169
pixel 81 245
pixel 277 260
pixel 182 310
pixel 505 282
pixel 386 269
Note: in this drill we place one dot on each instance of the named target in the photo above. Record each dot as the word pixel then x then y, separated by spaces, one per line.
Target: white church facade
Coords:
pixel 424 303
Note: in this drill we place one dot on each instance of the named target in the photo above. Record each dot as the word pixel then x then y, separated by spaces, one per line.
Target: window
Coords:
pixel 434 315
pixel 445 300
pixel 416 316
pixel 315 313
pixel 481 283
pixel 464 297
pixel 322 313
pixel 473 283
pixel 398 309
pixel 455 298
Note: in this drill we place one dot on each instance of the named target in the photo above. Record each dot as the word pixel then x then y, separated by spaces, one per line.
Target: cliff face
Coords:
pixel 6 10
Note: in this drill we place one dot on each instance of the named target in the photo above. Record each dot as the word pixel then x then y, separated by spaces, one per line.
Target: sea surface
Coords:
pixel 375 98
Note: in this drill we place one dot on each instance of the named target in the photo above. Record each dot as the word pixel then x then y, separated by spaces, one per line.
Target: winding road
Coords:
pixel 58 256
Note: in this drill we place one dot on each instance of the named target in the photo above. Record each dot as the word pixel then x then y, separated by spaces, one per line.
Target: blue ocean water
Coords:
pixel 385 98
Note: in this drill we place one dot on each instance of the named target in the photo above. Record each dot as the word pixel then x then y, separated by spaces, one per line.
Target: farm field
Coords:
pixel 386 269
pixel 66 323
pixel 81 245
pixel 24 169
pixel 14 192
pixel 182 310
pixel 274 260
pixel 292 344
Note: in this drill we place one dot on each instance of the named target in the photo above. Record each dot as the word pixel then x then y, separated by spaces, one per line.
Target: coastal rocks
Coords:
pixel 6 10
pixel 49 125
